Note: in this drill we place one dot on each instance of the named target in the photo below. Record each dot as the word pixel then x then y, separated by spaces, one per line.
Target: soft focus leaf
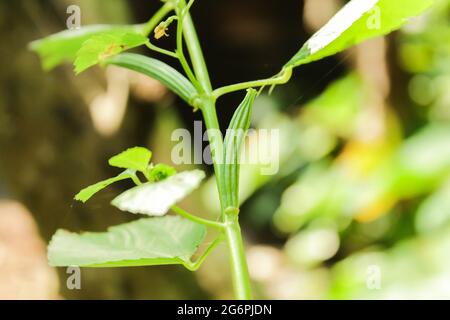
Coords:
pixel 434 212
pixel 156 199
pixel 105 45
pixel 425 258
pixel 137 158
pixel 87 193
pixel 337 107
pixel 358 21
pixel 146 242
pixel 63 46
pixel 158 70
pixel 423 161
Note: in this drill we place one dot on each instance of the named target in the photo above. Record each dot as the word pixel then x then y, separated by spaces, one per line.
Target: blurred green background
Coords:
pixel 360 208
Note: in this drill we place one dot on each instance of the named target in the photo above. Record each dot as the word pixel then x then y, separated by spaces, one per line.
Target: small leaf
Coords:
pixel 156 199
pixel 239 125
pixel 105 45
pixel 358 21
pixel 158 70
pixel 87 193
pixel 137 158
pixel 161 172
pixel 146 242
pixel 63 46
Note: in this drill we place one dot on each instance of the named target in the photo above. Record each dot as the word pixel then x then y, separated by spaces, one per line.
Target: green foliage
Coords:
pixel 174 240
pixel 423 161
pixel 158 70
pixel 337 107
pixel 146 242
pixel 133 159
pixel 167 240
pixel 160 172
pixel 358 21
pixel 234 138
pixel 137 158
pixel 434 212
pixel 87 193
pixel 156 199
pixel 63 46
pixel 105 45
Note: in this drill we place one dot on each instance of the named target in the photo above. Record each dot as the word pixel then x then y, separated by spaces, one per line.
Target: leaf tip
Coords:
pixel 78 197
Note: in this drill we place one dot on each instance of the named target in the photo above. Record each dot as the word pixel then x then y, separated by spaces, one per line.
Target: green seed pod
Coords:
pixel 234 139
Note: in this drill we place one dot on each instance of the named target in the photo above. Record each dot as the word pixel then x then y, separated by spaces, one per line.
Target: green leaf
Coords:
pixel 87 193
pixel 137 158
pixel 156 199
pixel 358 21
pixel 158 70
pixel 239 125
pixel 146 242
pixel 161 172
pixel 105 45
pixel 63 46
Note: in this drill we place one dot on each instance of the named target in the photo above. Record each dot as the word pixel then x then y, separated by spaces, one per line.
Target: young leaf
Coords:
pixel 87 193
pixel 63 46
pixel 156 199
pixel 358 21
pixel 146 242
pixel 161 172
pixel 137 158
pixel 240 123
pixel 158 70
pixel 105 45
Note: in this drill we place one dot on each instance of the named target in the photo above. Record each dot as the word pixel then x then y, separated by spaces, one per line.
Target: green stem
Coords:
pixel 208 108
pixel 180 50
pixel 196 53
pixel 241 279
pixel 152 47
pixel 157 18
pixel 136 179
pixel 284 76
pixel 151 25
pixel 187 215
pixel 194 266
pixel 239 269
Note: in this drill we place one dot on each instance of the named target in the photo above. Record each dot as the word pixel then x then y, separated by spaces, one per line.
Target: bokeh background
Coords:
pixel 360 208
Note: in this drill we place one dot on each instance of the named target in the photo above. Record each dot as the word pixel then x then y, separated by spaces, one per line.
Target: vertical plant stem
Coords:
pixel 239 270
pixel 196 54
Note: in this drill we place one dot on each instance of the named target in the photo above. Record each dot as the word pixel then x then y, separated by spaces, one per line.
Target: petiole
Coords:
pixel 283 77
pixel 208 223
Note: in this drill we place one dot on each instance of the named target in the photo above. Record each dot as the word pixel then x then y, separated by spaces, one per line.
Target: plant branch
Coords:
pixel 180 51
pixel 136 179
pixel 152 47
pixel 241 279
pixel 157 18
pixel 153 23
pixel 283 77
pixel 187 215
pixel 194 266
pixel 181 11
pixel 195 51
